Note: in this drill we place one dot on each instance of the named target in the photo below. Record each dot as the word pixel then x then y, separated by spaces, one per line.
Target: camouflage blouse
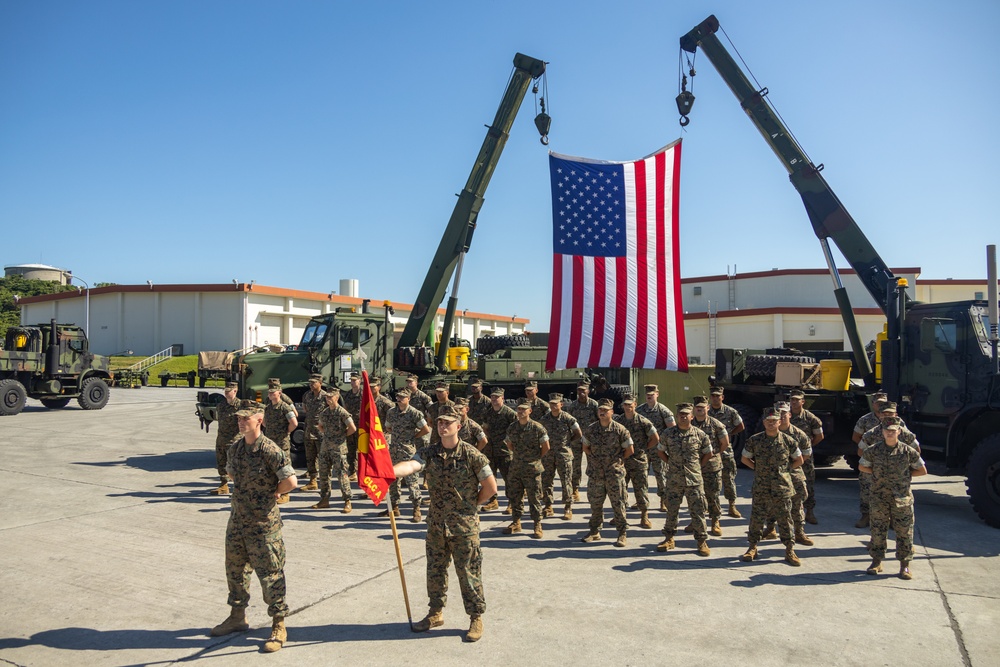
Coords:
pixel 525 442
pixel 495 425
pixel 772 458
pixel 256 470
pixel 335 421
pixel 312 405
pixel 715 430
pixel 229 429
pixel 477 408
pixel 560 430
pixel 453 479
pixel 684 450
pixel 276 420
pixel 891 470
pixel 802 440
pixel 403 425
pixel 640 429
pixel 659 414
pixel 472 432
pixel 584 413
pixel 607 445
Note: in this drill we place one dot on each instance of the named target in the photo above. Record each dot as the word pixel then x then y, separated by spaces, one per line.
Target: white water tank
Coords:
pixel 349 287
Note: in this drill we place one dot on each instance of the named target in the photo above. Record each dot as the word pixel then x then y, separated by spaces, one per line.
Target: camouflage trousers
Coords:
pixel 560 461
pixel 696 507
pixel 313 444
pixel 729 477
pixel 222 454
pixel 442 547
pixel 637 472
pixel 399 453
pixel 499 463
pixel 333 463
pixel 659 467
pixel 766 507
pixel 256 548
pixel 865 491
pixel 712 480
pixel 890 512
pixel 285 444
pixel 809 468
pixel 576 445
pixel 604 483
pixel 352 454
pixel 525 478
pixel 799 502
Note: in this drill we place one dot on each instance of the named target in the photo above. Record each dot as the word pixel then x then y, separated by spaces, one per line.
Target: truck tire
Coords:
pixel 12 397
pixel 54 403
pixel 490 344
pixel 201 382
pixel 94 394
pixel 762 367
pixel 982 480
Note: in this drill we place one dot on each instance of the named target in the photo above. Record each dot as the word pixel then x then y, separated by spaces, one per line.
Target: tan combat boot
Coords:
pixel 508 510
pixel 394 510
pixel 750 554
pixel 279 635
pixel 790 556
pixel 416 515
pixel 324 502
pixel 548 511
pixel 904 571
pixel 863 522
pixel 537 534
pixel 665 545
pixel 663 505
pixel 576 496
pixel 433 619
pixel 592 536
pixel 733 512
pixel 347 507
pixel 689 528
pixel 283 499
pixel 703 549
pixel 311 486
pixel 223 489
pixel 802 538
pixel 492 505
pixel 875 567
pixel 475 632
pixel 811 517
pixel 769 533
pixel 716 528
pixel 237 622
pixel 514 527
pixel 568 514
pixel 644 520
pixel 620 542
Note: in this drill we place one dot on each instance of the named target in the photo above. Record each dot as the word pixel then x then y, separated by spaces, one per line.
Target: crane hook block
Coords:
pixel 684 120
pixel 543 122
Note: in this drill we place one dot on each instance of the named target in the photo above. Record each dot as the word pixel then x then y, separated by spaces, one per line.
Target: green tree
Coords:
pixel 11 286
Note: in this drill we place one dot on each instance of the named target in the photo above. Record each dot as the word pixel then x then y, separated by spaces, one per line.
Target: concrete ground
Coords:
pixel 113 555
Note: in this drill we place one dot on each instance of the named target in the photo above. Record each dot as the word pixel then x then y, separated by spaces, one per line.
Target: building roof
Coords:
pixel 903 271
pixel 45 267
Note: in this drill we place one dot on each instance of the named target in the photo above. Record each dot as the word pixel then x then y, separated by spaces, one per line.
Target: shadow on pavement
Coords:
pixel 192 459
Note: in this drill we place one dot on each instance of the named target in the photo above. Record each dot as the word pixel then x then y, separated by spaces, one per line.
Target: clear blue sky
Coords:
pixel 297 143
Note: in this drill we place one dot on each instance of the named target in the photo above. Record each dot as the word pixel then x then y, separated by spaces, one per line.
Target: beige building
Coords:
pixel 39 272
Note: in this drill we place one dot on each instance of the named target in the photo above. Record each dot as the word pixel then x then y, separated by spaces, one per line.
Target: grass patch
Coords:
pixel 178 365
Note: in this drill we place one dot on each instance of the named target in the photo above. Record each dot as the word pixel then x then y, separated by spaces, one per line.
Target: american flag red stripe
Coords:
pixel 616 298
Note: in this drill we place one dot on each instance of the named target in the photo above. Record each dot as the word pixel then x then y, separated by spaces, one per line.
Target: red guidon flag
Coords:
pixel 374 463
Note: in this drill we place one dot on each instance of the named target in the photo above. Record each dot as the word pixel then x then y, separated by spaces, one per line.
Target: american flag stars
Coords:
pixel 590 210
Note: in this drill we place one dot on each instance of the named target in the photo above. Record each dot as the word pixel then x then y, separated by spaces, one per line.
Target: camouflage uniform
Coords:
pixel 730 418
pixel 711 472
pixel 312 405
pixel 772 488
pixel 525 442
pixel 863 425
pixel 420 401
pixel 811 425
pixel 798 481
pixel 352 403
pixel 453 477
pixel 471 431
pixel 403 425
pixel 559 458
pixel 606 472
pixel 637 465
pixel 662 419
pixel 253 534
pixel 684 450
pixel 538 408
pixel 871 437
pixel 382 406
pixel 891 498
pixel 228 432
pixel 276 420
pixel 333 450
pixel 585 415
pixel 495 425
pixel 477 408
pixel 432 415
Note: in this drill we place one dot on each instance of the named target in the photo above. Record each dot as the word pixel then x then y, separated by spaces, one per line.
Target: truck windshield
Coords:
pixel 314 334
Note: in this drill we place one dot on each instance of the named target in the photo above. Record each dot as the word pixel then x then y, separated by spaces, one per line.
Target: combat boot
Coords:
pixel 811 517
pixel 537 534
pixel 663 505
pixel 904 571
pixel 347 507
pixel 433 619
pixel 324 502
pixel 790 556
pixel 416 515
pixel 475 632
pixel 223 489
pixel 769 533
pixel 237 622
pixel 620 542
pixel 716 528
pixel 282 499
pixel 644 520
pixel 508 510
pixel 863 522
pixel 514 527
pixel 875 567
pixel 733 512
pixel 665 545
pixel 576 496
pixel 311 486
pixel 703 549
pixel 568 514
pixel 802 538
pixel 689 528
pixel 548 511
pixel 279 635
pixel 492 505
pixel 592 536
pixel 750 554
pixel 385 512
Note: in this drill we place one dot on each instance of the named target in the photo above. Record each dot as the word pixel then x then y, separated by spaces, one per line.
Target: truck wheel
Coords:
pixel 983 480
pixel 12 397
pixel 94 394
pixel 54 403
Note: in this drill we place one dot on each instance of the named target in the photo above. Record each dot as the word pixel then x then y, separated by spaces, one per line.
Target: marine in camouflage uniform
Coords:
pixel 406 426
pixel 478 403
pixel 538 406
pixel 584 410
pixel 685 449
pixel 731 419
pixel 870 437
pixel 813 427
pixel 662 419
pixel 470 430
pixel 498 419
pixel 228 432
pixel 313 401
pixel 279 422
pixel 261 472
pixel 711 471
pixel 644 438
pixel 351 401
pixel 459 478
pixel 528 443
pixel 382 404
pixel 562 427
pixel 798 476
pixel 607 445
pixel 335 425
pixel 892 465
pixel 441 400
pixel 771 454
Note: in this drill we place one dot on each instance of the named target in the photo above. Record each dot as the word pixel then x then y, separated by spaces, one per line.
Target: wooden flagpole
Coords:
pixel 399 561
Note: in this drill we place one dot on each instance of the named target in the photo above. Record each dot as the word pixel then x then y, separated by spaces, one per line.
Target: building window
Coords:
pixel 694 361
pixel 979 296
pixel 697 290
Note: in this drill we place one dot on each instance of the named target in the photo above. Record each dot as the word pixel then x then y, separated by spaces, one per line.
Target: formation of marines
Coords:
pixel 459 446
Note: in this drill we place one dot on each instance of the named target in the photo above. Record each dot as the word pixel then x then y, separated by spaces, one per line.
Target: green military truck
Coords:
pixel 53 364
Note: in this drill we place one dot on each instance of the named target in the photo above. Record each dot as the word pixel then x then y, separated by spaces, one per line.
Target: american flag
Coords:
pixel 616 299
